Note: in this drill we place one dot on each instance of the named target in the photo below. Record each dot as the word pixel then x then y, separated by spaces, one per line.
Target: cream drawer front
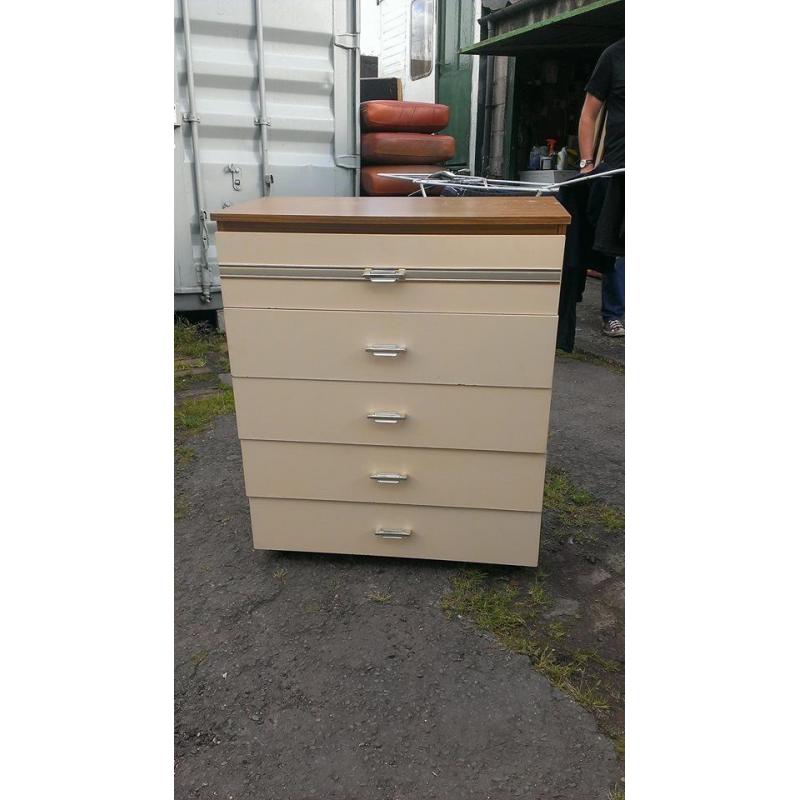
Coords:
pixel 418 476
pixel 409 295
pixel 462 349
pixel 454 534
pixel 390 250
pixel 408 415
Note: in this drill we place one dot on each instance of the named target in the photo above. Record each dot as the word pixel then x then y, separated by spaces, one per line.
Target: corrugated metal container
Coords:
pixel 308 126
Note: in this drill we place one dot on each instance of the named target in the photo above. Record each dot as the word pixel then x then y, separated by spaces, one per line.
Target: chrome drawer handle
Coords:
pixel 388 417
pixel 385 350
pixel 383 275
pixel 388 477
pixel 393 533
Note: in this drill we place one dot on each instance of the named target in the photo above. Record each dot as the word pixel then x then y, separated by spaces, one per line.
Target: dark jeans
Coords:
pixel 613 303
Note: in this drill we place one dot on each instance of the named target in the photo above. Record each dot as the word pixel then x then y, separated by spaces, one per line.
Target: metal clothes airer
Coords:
pixel 447 179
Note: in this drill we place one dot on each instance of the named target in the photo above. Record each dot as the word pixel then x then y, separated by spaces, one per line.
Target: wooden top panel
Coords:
pixel 464 215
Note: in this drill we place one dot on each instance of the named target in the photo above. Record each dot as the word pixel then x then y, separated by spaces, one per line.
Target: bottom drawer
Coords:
pixel 452 534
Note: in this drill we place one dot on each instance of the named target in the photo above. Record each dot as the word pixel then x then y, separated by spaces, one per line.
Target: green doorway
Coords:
pixel 456 25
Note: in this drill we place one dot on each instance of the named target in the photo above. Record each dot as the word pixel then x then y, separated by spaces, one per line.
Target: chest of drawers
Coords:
pixel 392 363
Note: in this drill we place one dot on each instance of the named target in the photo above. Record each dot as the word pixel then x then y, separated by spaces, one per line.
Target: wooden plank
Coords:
pixel 463 215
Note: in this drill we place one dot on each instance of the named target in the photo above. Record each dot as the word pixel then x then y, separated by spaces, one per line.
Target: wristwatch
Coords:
pixel 585 162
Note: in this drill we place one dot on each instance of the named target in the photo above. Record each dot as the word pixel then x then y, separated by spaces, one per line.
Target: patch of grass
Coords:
pixel 556 631
pixel 280 574
pixel 511 608
pixel 538 596
pixel 590 695
pixel 199 349
pixel 379 597
pixel 188 380
pixel 616 793
pixel 498 610
pixel 181 507
pixel 183 455
pixel 513 616
pixel 593 657
pixel 184 364
pixel 312 607
pixel 195 415
pixel 504 610
pixel 568 673
pixel 577 511
pixel 199 658
pixel 572 677
pixel 197 342
pixel 612 519
pixel 590 358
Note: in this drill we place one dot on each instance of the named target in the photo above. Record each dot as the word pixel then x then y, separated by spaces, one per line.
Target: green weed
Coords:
pixel 513 616
pixel 183 455
pixel 556 631
pixel 181 507
pixel 197 342
pixel 195 415
pixel 188 380
pixel 199 658
pixel 592 656
pixel 576 510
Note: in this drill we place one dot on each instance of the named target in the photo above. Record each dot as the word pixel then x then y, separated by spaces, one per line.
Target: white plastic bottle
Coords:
pixel 561 163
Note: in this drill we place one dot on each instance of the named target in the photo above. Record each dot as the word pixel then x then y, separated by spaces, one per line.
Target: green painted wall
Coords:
pixel 454 72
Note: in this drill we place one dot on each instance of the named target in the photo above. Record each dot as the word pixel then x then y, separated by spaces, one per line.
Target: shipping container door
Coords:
pixel 454 72
pixel 311 63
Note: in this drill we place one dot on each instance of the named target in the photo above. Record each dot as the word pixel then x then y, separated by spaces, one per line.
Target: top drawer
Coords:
pixel 442 251
pixel 363 289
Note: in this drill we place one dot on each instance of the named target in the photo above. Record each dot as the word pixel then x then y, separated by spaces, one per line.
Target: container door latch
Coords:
pixel 235 173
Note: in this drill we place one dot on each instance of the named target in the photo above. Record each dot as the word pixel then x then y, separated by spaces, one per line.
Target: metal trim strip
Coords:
pixel 418 274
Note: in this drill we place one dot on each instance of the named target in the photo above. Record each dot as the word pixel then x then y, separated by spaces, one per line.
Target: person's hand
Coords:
pixel 587 169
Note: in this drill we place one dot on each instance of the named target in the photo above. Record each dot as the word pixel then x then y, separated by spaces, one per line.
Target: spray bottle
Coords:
pixel 548 161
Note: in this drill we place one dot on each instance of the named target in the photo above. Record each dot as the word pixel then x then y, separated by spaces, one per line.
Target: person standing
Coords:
pixel 607 85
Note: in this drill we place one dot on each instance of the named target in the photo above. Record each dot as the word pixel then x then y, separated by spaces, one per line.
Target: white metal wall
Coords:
pixel 393 60
pixel 311 68
pixel 394 44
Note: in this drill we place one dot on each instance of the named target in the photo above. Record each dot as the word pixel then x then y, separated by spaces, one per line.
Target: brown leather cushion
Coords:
pixel 404 115
pixel 406 148
pixel 372 184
